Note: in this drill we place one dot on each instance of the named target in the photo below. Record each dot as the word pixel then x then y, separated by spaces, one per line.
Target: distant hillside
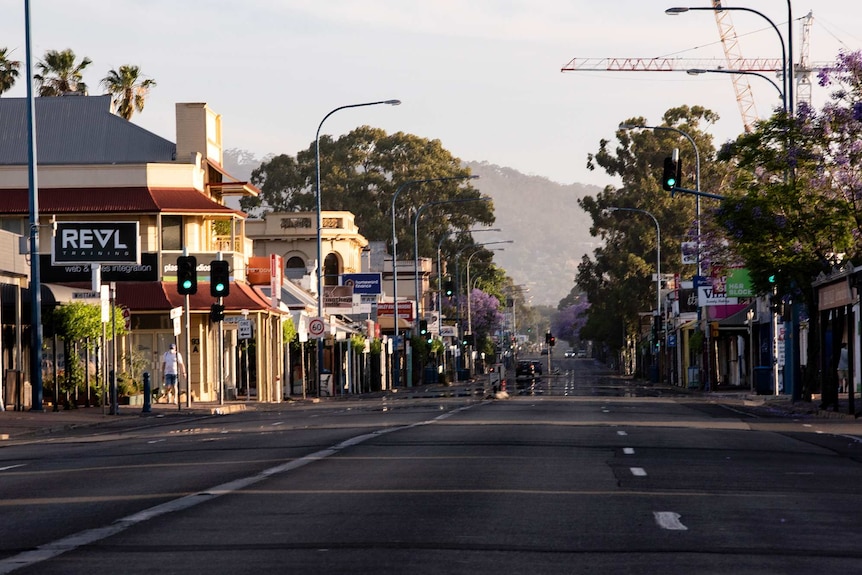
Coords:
pixel 550 231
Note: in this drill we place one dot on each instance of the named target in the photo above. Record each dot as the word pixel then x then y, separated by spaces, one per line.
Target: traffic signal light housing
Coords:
pixel 219 278
pixel 187 275
pixel 216 313
pixel 448 287
pixel 548 338
pixel 671 174
pixel 423 326
pixel 553 341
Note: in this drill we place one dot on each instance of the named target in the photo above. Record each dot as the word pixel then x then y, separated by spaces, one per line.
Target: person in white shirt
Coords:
pixel 172 365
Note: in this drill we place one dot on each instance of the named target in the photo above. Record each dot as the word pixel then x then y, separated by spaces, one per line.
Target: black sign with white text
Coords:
pixel 96 242
pixel 146 271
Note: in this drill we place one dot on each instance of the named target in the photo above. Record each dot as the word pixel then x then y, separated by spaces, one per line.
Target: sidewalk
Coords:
pixel 16 424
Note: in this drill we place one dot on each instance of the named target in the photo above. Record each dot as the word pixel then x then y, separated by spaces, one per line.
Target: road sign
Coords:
pixel 87 295
pixel 176 312
pixel 244 331
pixel 316 326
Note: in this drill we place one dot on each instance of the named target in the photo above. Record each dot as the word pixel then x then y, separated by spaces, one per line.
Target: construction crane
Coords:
pixel 733 61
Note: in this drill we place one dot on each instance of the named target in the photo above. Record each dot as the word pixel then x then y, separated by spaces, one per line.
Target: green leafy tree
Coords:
pixel 128 88
pixel 617 280
pixel 8 71
pixel 361 171
pixel 59 73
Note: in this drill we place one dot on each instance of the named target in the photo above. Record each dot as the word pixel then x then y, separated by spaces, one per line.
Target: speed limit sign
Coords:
pixel 316 326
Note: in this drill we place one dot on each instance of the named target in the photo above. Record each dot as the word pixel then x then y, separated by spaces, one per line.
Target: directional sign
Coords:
pixel 176 312
pixel 87 295
pixel 245 330
pixel 316 326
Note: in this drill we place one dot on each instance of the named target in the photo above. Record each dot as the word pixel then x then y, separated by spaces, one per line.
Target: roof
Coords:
pixel 77 130
pixel 113 200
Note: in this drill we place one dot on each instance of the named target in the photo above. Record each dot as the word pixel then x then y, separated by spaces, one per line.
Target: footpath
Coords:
pixel 28 423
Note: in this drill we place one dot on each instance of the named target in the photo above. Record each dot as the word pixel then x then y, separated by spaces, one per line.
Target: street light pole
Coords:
pixel 320 220
pixel 469 309
pixel 699 71
pixel 396 363
pixel 416 242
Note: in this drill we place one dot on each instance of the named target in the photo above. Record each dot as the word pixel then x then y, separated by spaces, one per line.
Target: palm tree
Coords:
pixel 8 71
pixel 60 75
pixel 128 89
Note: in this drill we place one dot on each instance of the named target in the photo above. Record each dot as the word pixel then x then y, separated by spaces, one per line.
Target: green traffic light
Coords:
pixel 219 287
pixel 671 182
pixel 187 284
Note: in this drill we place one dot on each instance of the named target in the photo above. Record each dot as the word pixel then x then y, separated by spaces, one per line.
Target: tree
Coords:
pixel 567 324
pixel 617 280
pixel 59 74
pixel 128 89
pixel 484 312
pixel 361 172
pixel 8 71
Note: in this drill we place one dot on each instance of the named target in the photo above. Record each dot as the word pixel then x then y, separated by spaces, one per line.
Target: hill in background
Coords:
pixel 551 233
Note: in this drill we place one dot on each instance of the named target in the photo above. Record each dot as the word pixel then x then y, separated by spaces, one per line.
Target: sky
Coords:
pixel 482 76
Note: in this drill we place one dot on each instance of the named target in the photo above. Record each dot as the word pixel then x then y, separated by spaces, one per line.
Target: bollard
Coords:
pixel 148 394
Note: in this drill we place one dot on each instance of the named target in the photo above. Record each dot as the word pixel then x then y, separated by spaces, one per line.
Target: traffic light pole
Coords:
pixel 697 193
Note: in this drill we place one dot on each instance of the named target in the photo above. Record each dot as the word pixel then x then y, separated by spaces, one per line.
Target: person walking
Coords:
pixel 172 365
pixel 843 366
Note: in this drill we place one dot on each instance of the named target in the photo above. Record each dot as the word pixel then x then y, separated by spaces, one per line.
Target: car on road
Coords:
pixel 537 366
pixel 525 370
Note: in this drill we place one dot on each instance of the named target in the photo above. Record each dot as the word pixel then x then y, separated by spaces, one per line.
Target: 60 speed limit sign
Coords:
pixel 316 326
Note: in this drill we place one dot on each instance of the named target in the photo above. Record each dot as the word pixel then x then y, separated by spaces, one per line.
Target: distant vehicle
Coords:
pixel 581 353
pixel 569 353
pixel 544 352
pixel 525 369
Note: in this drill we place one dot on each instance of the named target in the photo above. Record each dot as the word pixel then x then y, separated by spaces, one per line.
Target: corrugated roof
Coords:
pixel 77 130
pixel 112 200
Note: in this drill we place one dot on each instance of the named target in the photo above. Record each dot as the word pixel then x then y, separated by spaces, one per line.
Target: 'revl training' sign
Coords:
pixel 96 242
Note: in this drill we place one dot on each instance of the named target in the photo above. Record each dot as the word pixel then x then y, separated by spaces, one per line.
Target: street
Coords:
pixel 585 473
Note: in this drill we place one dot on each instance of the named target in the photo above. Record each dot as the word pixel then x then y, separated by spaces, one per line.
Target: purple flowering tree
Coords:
pixel 485 312
pixel 567 324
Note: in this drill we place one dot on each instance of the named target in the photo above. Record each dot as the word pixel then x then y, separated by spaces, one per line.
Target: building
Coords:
pixel 97 171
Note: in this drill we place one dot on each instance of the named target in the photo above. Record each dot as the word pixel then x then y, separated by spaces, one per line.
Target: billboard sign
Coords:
pixel 365 284
pixel 96 242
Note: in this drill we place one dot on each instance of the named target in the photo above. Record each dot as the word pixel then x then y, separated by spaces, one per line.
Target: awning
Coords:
pixel 737 320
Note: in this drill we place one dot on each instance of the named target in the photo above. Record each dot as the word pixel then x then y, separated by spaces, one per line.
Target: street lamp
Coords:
pixel 320 220
pixel 404 185
pixel 416 241
pixel 657 252
pixel 699 71
pixel 787 76
pixel 469 287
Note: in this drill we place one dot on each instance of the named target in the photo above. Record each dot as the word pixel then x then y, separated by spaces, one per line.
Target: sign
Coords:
pixel 146 271
pixel 87 295
pixel 739 283
pixel 449 331
pixel 366 284
pixel 178 329
pixel 339 298
pixel 245 329
pixel 689 253
pixel 707 296
pixel 96 242
pixel 176 312
pixel 316 326
pixel 405 310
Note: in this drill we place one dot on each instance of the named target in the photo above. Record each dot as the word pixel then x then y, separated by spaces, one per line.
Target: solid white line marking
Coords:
pixel 8 467
pixel 638 471
pixel 669 520
pixel 621 433
pixel 628 450
pixel 72 542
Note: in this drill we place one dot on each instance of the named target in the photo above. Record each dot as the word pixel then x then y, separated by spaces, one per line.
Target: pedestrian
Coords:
pixel 172 365
pixel 843 363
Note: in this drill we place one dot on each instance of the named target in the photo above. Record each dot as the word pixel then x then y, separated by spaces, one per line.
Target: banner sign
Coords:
pixel 405 310
pixel 365 284
pixel 739 283
pixel 96 242
pixel 146 271
pixel 339 297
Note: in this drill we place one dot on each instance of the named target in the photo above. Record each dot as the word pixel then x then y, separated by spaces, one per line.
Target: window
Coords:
pixel 331 270
pixel 172 233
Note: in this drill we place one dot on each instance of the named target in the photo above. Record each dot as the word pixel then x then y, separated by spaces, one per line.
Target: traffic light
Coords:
pixel 187 275
pixel 552 342
pixel 448 287
pixel 671 174
pixel 216 313
pixel 423 326
pixel 219 278
pixel 548 338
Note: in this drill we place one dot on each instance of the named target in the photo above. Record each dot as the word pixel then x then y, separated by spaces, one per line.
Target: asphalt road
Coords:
pixel 583 473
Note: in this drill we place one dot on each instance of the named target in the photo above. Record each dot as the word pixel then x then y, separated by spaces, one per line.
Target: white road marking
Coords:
pixel 638 471
pixel 156 441
pixel 628 450
pixel 8 467
pixel 669 520
pixel 621 433
pixel 72 542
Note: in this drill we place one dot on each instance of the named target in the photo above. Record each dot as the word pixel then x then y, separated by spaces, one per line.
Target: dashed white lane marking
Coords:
pixel 638 471
pixel 628 450
pixel 622 433
pixel 8 467
pixel 55 548
pixel 669 520
pixel 155 441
